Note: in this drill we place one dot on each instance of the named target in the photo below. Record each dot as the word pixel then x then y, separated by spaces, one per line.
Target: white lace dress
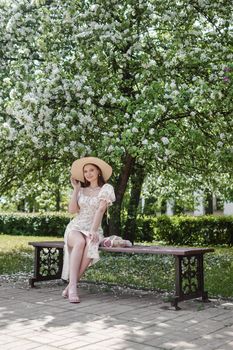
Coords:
pixel 88 200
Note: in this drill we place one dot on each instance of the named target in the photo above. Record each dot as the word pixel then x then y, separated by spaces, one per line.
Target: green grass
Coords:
pixel 140 271
pixel 158 272
pixel 219 272
pixel 154 272
pixel 16 255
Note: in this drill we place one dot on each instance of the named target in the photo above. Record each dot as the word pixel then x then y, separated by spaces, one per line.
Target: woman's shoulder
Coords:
pixel 107 186
pixel 107 193
pixel 106 189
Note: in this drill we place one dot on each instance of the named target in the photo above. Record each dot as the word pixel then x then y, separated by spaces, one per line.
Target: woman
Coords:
pixel 84 233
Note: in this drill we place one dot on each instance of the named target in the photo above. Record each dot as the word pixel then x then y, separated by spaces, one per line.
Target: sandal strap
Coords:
pixel 73 298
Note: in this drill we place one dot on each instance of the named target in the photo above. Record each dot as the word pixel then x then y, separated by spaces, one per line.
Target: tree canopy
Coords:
pixel 145 83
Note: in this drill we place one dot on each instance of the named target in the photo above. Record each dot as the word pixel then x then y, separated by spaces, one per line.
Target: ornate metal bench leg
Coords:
pixel 205 298
pixel 200 277
pixel 178 282
pixel 189 278
pixel 33 279
pixel 31 282
pixel 47 264
pixel 174 303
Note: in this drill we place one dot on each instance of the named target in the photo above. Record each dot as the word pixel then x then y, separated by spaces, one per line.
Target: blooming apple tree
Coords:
pixel 145 83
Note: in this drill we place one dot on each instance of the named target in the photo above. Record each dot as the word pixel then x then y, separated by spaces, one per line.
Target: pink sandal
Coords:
pixel 65 293
pixel 73 298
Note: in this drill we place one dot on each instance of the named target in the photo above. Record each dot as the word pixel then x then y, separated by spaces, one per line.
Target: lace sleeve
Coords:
pixel 107 194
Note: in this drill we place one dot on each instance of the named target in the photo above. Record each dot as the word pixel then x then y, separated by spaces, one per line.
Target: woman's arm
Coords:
pixel 73 206
pixel 97 221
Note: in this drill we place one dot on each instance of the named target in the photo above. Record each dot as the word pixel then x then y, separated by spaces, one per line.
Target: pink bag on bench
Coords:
pixel 115 241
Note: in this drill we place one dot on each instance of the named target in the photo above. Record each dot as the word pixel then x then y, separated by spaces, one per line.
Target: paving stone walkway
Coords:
pixel 40 319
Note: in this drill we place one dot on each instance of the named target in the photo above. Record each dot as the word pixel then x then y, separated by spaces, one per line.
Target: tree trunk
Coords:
pixel 136 183
pixel 30 203
pixel 58 199
pixel 115 220
pixel 209 209
pixel 21 205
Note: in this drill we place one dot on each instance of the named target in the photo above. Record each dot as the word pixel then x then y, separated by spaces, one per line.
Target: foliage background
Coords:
pixel 146 85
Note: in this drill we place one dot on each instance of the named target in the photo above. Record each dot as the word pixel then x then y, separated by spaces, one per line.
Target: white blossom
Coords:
pixel 156 145
pixel 165 140
pixel 7 81
pixel 94 7
pixel 173 85
pixel 103 100
pixel 72 144
pixel 151 131
pixel 13 93
pixel 94 59
pixel 110 148
pixel 162 107
pixel 134 130
pixel 62 125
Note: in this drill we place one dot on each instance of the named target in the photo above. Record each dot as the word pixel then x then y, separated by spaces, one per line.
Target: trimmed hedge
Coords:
pixel 36 224
pixel 145 230
pixel 180 230
pixel 189 230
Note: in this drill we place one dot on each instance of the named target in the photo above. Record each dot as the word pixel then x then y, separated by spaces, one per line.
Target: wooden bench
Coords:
pixel 189 271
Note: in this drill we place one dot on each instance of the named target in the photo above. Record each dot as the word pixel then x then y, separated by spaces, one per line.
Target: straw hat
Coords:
pixel 77 167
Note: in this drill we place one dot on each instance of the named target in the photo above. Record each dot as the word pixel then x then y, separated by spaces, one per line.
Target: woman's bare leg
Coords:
pixel 65 291
pixel 76 243
pixel 85 261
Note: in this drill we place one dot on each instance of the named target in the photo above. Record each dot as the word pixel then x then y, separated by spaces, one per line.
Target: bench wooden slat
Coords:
pixel 49 244
pixel 137 249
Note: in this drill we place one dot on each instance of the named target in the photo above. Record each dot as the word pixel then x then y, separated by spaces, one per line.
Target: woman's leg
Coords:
pixel 85 260
pixel 76 243
pixel 65 291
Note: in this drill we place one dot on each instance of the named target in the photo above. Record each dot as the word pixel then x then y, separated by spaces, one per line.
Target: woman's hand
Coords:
pixel 75 183
pixel 94 237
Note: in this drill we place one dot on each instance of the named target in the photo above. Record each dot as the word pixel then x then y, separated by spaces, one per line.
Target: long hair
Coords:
pixel 101 180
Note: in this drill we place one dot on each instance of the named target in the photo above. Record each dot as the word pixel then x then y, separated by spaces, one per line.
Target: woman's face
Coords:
pixel 90 172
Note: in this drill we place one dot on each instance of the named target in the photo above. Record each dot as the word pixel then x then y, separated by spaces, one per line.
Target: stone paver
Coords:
pixel 40 319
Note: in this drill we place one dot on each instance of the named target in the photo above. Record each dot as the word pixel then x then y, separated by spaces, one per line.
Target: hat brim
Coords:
pixel 77 167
